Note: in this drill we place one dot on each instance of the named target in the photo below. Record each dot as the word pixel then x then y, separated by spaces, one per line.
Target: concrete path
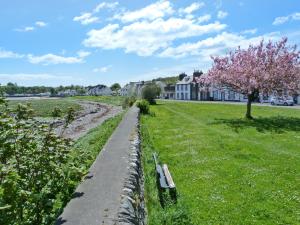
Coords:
pixel 97 198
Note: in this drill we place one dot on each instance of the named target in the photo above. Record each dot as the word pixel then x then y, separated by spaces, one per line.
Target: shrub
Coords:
pixel 150 93
pixel 34 172
pixel 144 106
pixel 57 112
pixel 128 102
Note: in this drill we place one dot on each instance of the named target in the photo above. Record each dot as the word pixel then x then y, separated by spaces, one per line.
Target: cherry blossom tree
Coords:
pixel 266 68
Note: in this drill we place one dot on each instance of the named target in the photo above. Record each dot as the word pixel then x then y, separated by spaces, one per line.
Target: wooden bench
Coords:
pixel 164 178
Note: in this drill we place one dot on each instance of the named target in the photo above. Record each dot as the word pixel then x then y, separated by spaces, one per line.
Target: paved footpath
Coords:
pixel 97 198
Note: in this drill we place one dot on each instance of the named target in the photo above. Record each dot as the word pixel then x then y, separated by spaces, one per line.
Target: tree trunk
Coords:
pixel 248 113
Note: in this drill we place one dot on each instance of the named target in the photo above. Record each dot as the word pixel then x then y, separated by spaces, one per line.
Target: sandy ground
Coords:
pixel 92 115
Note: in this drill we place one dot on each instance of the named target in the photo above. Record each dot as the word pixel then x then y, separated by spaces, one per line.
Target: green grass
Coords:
pixel 227 170
pixel 44 108
pixel 113 100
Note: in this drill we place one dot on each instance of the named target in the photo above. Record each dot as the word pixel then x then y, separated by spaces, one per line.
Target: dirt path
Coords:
pixel 92 115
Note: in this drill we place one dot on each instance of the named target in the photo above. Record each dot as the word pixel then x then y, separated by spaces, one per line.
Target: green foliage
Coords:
pixel 33 168
pixel 144 106
pixel 115 87
pixel 128 102
pixel 13 89
pixel 39 170
pixel 150 92
pixel 227 170
pixel 57 112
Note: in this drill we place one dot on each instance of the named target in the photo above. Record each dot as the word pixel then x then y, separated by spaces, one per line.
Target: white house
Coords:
pixel 217 93
pixel 99 90
pixel 183 88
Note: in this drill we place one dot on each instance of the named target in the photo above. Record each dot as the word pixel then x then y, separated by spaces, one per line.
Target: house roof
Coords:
pixel 186 80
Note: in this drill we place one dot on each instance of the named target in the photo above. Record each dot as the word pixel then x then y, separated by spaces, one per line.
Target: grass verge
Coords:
pixel 227 170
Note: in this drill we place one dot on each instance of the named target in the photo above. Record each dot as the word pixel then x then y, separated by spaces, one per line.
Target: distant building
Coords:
pixel 99 90
pixel 124 91
pixel 67 93
pixel 169 91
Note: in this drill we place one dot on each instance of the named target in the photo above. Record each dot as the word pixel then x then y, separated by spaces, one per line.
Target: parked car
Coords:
pixel 282 101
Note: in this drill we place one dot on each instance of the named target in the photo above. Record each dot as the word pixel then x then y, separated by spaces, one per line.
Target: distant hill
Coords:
pixel 167 80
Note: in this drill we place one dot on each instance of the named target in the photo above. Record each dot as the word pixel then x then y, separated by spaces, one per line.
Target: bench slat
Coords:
pixel 162 180
pixel 168 176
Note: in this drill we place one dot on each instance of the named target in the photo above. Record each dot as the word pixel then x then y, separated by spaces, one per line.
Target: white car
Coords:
pixel 282 101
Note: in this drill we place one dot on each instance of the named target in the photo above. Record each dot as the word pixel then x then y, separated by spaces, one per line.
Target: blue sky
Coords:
pixel 91 42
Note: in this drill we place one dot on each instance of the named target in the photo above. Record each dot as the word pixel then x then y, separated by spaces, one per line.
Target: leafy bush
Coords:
pixel 57 112
pixel 128 102
pixel 35 171
pixel 150 93
pixel 144 106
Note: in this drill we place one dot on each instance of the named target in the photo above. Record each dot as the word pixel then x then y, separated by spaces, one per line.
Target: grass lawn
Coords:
pixel 44 107
pixel 113 100
pixel 227 170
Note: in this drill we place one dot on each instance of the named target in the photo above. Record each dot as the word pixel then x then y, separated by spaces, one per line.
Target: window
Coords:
pixel 181 87
pixel 177 95
pixel 231 95
pixel 182 97
pixel 186 87
pixel 186 96
pixel 177 87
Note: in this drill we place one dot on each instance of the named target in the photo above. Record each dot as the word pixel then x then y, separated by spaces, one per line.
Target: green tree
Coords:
pixel 115 87
pixel 150 92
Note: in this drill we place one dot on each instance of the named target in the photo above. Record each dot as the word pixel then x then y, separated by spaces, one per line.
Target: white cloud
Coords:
pixel 25 29
pixel 222 14
pixel 103 69
pixel 153 11
pixel 283 19
pixel 146 37
pixel 280 20
pixel 191 8
pixel 249 31
pixel 52 59
pixel 40 23
pixel 214 45
pixel 103 5
pixel 86 18
pixel 204 18
pixel 83 54
pixel 9 54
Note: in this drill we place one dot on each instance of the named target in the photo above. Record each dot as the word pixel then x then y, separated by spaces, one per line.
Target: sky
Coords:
pixel 63 42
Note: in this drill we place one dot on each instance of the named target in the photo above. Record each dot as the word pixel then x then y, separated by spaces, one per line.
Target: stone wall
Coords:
pixel 132 209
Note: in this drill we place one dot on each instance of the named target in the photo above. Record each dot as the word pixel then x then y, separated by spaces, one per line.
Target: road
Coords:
pixel 232 103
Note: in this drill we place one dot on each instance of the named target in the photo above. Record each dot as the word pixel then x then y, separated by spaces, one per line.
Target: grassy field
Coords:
pixel 227 170
pixel 113 100
pixel 44 107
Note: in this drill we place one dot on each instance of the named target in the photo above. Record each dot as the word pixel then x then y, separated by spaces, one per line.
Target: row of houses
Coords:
pixel 186 88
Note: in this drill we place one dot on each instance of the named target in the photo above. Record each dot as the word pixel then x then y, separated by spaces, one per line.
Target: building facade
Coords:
pixel 99 90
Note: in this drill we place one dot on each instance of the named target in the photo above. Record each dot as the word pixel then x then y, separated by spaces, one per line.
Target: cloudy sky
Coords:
pixel 55 42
